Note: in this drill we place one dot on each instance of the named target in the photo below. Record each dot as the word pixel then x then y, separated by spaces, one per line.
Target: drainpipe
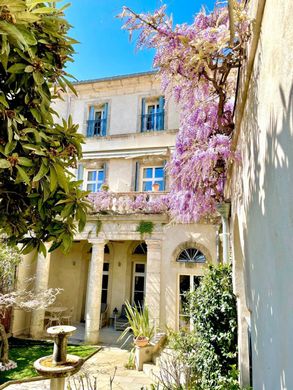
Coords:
pixel 224 211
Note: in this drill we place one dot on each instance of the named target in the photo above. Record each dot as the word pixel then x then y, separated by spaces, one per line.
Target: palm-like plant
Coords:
pixel 139 322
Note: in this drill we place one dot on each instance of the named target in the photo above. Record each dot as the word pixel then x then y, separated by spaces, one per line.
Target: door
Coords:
pixel 138 284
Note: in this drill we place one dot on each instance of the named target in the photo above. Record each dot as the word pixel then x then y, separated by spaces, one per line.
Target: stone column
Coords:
pixel 94 292
pixel 153 279
pixel 41 283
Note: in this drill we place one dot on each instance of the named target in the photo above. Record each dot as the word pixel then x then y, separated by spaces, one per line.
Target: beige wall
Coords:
pixel 25 273
pixel 262 197
pixel 176 238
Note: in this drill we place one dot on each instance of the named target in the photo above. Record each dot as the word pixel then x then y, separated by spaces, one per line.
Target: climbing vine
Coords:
pixel 198 66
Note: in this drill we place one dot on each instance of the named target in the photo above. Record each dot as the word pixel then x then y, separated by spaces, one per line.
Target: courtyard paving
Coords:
pixel 102 366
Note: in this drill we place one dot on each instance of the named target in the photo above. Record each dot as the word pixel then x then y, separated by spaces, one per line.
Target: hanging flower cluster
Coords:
pixel 198 68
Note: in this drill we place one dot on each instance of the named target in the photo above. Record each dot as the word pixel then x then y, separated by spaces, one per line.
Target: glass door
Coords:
pixel 138 284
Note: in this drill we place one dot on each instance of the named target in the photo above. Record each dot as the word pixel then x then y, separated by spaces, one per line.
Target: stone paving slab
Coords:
pixel 102 366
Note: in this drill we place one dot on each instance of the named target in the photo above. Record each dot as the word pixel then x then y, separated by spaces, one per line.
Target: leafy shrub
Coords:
pixel 213 310
pixel 210 350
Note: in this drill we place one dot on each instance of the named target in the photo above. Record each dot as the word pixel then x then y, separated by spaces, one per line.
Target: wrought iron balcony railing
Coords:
pixel 96 127
pixel 154 121
pixel 105 202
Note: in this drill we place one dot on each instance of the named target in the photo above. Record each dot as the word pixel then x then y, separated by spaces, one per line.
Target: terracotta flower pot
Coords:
pixel 156 187
pixel 141 341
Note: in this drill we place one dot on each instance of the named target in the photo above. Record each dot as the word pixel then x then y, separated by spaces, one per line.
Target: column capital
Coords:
pixel 97 241
pixel 154 243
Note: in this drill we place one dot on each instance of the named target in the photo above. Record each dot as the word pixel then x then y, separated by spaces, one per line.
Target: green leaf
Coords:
pixel 42 172
pixel 23 174
pixel 3 100
pixel 53 179
pixel 36 114
pixel 38 77
pixel 9 147
pixel 4 163
pixel 12 32
pixel 16 68
pixel 25 162
pixel 62 179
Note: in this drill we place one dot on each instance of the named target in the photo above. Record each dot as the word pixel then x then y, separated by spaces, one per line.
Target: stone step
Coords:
pixel 152 371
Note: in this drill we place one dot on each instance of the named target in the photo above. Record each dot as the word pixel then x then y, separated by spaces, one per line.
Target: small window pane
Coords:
pixel 139 283
pixel 147 186
pixel 106 267
pixel 98 115
pixel 139 268
pixel 161 184
pixel 151 109
pixel 148 173
pixel 90 187
pixel 104 296
pixel 138 298
pixel 91 175
pixel 105 281
pixel 159 172
pixel 101 176
pixel 184 283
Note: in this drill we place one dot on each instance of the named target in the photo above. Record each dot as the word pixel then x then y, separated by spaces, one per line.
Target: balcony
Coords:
pixel 126 203
pixel 153 121
pixel 97 128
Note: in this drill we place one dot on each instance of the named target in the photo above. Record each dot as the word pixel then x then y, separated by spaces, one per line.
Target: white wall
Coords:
pixel 262 193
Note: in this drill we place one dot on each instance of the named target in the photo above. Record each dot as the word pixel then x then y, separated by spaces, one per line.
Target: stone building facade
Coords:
pixel 261 192
pixel 130 133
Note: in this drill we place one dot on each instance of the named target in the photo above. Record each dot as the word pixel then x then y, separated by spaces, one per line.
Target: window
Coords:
pixel 138 284
pixel 151 176
pixel 152 114
pixel 94 179
pixel 186 283
pixel 97 120
pixel 140 249
pixel 191 255
pixel 105 282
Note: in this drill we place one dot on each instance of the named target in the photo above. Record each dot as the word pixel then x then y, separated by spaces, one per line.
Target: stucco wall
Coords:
pixel 262 194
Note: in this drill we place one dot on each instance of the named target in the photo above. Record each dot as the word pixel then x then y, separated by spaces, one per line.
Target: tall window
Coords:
pixel 152 114
pixel 186 283
pixel 152 176
pixel 94 179
pixel 97 120
pixel 138 286
pixel 105 282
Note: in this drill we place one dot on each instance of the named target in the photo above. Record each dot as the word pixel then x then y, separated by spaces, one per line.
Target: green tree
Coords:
pixel 214 313
pixel 39 201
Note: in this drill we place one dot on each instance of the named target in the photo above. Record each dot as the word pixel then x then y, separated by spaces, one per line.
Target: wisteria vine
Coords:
pixel 198 68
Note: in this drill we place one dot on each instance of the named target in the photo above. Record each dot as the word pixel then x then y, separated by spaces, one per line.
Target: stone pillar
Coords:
pixel 94 292
pixel 153 279
pixel 41 283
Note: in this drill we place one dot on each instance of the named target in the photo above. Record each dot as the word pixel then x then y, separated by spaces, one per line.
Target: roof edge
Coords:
pixel 125 76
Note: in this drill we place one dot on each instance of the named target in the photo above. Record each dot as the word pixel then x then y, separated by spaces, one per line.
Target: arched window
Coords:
pixel 191 255
pixel 140 249
pixel 106 250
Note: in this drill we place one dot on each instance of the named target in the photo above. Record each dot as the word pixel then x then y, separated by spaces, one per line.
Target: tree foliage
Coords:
pixel 197 64
pixel 39 201
pixel 214 314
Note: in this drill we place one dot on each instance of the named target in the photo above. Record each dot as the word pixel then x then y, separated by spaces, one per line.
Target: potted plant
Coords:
pixel 139 325
pixel 156 187
pixel 104 187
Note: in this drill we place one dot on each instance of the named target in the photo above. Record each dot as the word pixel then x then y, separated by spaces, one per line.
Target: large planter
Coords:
pixel 141 341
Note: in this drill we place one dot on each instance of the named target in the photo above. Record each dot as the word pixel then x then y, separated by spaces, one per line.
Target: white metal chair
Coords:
pixel 67 317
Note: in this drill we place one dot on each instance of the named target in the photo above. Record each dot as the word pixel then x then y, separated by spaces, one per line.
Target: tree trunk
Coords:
pixel 4 349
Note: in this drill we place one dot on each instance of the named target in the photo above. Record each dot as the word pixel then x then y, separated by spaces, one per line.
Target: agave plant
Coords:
pixel 139 322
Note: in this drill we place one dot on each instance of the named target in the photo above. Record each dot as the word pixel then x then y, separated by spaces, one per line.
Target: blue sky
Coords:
pixel 104 48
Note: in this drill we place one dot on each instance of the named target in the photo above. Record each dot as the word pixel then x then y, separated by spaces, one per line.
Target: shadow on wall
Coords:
pixel 267 191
